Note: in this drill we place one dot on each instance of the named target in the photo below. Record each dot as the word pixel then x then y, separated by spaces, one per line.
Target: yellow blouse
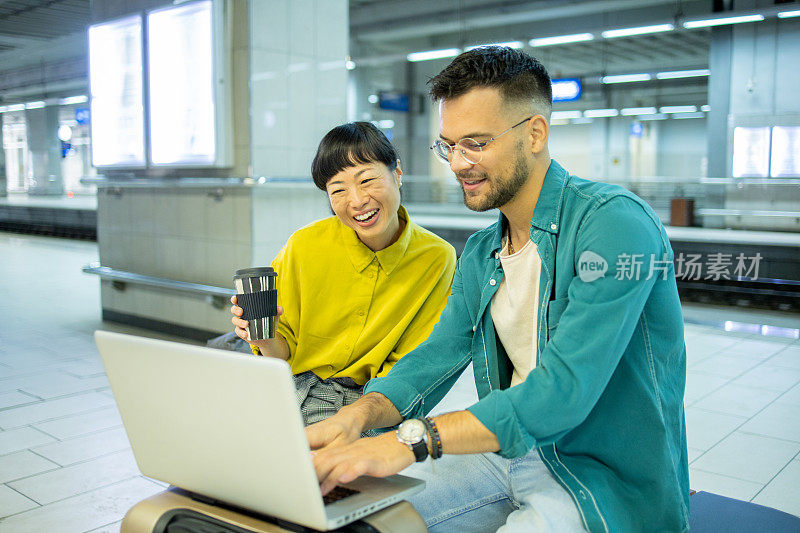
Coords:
pixel 351 312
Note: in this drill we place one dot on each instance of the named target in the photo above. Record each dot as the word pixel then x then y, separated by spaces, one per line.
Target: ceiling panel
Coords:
pixel 43 19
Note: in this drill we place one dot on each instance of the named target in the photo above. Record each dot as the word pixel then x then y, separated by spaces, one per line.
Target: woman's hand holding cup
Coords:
pixel 265 345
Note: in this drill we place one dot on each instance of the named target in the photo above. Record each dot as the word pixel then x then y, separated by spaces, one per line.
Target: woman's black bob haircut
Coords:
pixel 349 145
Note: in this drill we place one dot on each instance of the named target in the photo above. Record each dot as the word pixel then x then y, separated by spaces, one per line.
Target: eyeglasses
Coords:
pixel 470 149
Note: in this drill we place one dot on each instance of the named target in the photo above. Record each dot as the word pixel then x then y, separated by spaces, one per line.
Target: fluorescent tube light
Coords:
pixel 705 108
pixel 3 109
pixel 38 104
pixel 16 107
pixel 696 114
pixel 683 74
pixel 561 115
pixel 789 14
pixel 691 24
pixel 433 54
pixel 73 100
pixel 510 44
pixel 561 39
pixel 599 113
pixel 582 121
pixel 630 111
pixel 678 109
pixel 626 78
pixel 641 30
pixel 657 116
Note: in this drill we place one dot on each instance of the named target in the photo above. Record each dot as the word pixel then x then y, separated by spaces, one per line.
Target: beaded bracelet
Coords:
pixel 435 439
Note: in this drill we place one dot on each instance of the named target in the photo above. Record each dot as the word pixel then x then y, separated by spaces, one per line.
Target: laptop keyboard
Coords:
pixel 337 494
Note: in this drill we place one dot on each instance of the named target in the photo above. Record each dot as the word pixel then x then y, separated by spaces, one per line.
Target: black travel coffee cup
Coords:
pixel 258 298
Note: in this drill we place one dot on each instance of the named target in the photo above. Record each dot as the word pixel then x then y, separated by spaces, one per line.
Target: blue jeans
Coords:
pixel 485 492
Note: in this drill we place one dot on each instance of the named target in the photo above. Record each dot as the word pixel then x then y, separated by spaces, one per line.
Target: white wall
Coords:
pixel 681 148
pixel 602 150
pixel 569 145
pixel 298 81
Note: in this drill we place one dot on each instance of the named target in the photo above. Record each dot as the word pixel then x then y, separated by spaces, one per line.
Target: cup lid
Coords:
pixel 254 272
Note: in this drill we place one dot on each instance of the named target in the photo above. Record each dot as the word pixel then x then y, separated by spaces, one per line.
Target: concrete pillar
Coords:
pixel 3 177
pixel 298 81
pixel 752 83
pixel 719 98
pixel 44 149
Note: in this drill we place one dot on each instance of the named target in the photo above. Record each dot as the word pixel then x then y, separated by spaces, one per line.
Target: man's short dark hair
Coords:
pixel 518 76
pixel 349 145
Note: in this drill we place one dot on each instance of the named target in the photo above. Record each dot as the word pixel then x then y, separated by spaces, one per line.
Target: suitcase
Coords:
pixel 178 511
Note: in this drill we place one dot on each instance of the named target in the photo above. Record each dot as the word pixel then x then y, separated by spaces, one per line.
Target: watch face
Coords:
pixel 411 431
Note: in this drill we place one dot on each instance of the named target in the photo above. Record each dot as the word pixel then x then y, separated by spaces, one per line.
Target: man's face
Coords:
pixel 505 165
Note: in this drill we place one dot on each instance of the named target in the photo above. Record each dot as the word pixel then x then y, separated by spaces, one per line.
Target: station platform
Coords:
pixel 772 278
pixel 74 217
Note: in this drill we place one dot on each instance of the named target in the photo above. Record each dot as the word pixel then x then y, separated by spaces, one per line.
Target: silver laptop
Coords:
pixel 227 426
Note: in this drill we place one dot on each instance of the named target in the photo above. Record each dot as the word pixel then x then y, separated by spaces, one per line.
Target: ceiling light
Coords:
pixel 582 121
pixel 350 64
pixel 626 78
pixel 629 111
pixel 561 39
pixel 788 14
pixel 678 109
pixel 38 104
pixel 696 114
pixel 373 99
pixel 510 44
pixel 657 116
pixel 690 24
pixel 683 74
pixel 73 100
pixel 561 115
pixel 16 107
pixel 641 30
pixel 3 109
pixel 599 113
pixel 433 54
pixel 705 108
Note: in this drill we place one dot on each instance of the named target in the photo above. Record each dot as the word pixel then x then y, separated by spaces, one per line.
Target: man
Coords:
pixel 568 309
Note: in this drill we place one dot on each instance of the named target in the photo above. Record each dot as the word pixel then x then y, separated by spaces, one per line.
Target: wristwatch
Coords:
pixel 414 434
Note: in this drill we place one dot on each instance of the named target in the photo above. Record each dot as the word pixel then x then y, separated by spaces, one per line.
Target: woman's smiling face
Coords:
pixel 366 197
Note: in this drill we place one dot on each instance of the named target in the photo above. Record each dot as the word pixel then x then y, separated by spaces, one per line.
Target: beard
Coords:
pixel 501 190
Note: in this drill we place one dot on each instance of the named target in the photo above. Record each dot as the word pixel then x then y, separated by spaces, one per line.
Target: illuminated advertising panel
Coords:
pixel 785 152
pixel 117 102
pixel 750 152
pixel 181 83
pixel 566 89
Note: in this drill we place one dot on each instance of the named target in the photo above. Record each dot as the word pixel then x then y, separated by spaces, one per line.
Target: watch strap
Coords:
pixel 420 450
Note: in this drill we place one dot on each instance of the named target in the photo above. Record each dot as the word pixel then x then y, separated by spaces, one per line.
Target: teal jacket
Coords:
pixel 604 404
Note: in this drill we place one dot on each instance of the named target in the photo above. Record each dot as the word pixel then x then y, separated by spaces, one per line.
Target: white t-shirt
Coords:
pixel 515 308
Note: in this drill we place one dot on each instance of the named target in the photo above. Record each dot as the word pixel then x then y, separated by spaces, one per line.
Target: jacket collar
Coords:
pixel 547 213
pixel 388 258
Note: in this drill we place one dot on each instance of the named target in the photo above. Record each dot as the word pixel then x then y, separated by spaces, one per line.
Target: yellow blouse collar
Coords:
pixel 388 258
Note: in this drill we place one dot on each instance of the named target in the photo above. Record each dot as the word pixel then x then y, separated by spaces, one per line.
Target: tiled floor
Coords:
pixel 65 463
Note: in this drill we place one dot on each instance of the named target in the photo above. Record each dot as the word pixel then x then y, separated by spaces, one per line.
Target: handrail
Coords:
pixel 140 279
pixel 748 213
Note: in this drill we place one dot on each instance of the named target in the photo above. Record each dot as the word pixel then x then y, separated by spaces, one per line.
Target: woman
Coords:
pixel 358 290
